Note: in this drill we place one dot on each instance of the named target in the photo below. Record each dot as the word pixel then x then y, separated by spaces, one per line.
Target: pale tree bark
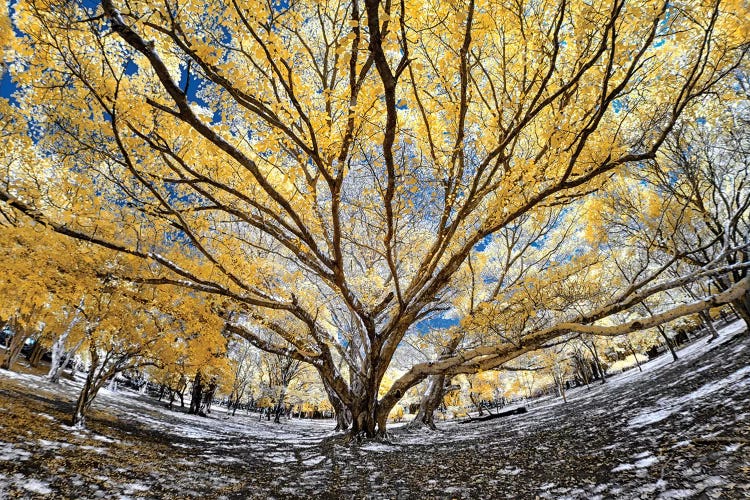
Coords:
pixel 635 355
pixel 58 351
pixel 87 394
pixel 709 324
pixel 491 357
pixel 430 402
pixel 104 367
pixel 742 307
pixel 56 369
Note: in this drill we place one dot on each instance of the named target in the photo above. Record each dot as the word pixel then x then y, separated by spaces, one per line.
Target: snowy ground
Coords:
pixel 677 430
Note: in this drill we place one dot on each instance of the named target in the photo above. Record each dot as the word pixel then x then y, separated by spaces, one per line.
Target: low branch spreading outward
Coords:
pixel 487 358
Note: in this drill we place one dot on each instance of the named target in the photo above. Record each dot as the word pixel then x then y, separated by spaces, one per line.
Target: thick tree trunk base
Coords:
pixel 421 424
pixel 742 308
pixel 432 398
pixel 351 439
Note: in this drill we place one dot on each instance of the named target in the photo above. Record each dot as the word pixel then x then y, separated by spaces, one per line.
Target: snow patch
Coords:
pixel 668 406
pixel 8 452
pixel 646 462
pixel 313 460
pixel 95 449
pixel 733 447
pixel 52 445
pixel 135 488
pixel 675 494
pixel 36 486
pixel 279 458
pixel 378 447
pixel 105 439
pixel 223 460
pixel 650 416
pixel 623 467
pixel 511 471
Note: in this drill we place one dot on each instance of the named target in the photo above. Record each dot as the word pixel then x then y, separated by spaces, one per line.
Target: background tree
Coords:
pixel 279 373
pixel 42 275
pixel 704 168
pixel 245 366
pixel 129 329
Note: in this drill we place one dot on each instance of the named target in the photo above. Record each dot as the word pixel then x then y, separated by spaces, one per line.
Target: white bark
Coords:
pixel 57 349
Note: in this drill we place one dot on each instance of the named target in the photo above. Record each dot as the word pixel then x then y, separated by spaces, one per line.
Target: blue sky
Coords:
pixel 6 85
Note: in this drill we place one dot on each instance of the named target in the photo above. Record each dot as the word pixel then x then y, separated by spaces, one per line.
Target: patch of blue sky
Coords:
pixel 436 323
pixel 8 87
pixel 131 68
pixel 482 245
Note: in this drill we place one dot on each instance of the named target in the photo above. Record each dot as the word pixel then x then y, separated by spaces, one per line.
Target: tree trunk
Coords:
pixel 742 307
pixel 36 354
pixel 196 395
pixel 87 393
pixel 277 414
pixel 561 388
pixel 16 344
pixel 367 420
pixel 68 357
pixel 57 368
pixel 708 322
pixel 635 356
pixel 668 342
pixel 582 368
pixel 663 333
pixel 54 367
pixel 478 403
pixel 599 366
pixel 340 411
pixel 208 396
pixel 279 406
pixel 435 392
pixel 180 391
pixel 58 346
pixel 429 403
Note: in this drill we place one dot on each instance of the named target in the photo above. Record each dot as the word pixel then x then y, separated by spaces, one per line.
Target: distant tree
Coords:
pixel 129 329
pixel 245 361
pixel 705 168
pixel 279 372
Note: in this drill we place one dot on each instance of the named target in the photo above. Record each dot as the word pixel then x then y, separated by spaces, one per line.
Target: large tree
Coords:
pixel 328 168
